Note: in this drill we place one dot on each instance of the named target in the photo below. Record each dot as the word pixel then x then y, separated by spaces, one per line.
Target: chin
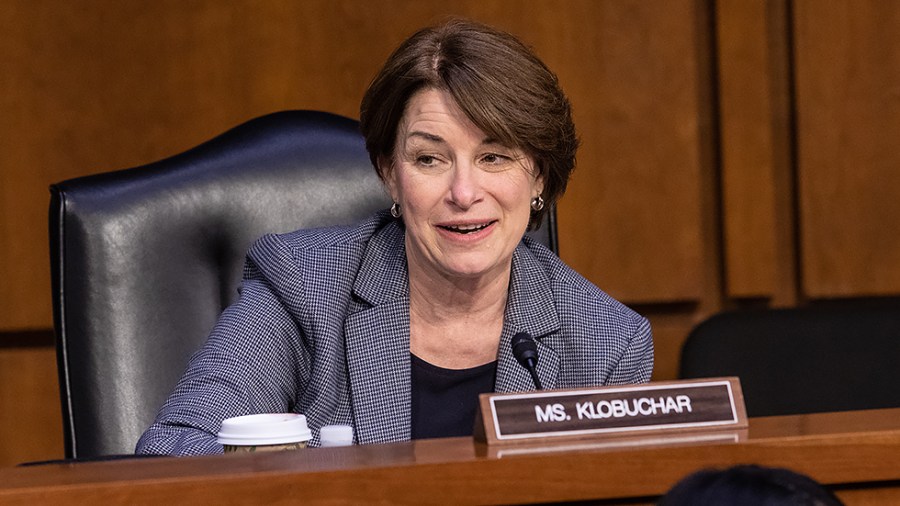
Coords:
pixel 471 270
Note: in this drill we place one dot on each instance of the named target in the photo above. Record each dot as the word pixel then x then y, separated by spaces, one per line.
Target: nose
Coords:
pixel 465 189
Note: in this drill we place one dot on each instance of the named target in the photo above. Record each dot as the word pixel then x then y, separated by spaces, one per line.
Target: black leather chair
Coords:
pixel 145 259
pixel 803 360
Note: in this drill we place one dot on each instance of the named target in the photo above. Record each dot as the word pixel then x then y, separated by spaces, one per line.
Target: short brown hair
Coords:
pixel 496 80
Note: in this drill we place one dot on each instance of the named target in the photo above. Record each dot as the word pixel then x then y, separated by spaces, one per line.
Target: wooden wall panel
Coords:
pixel 848 114
pixel 632 221
pixel 30 417
pixel 753 49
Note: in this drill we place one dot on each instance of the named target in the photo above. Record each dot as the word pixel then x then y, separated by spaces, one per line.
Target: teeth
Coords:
pixel 466 228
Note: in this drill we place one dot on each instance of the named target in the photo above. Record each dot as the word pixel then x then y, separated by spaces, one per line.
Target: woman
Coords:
pixel 395 326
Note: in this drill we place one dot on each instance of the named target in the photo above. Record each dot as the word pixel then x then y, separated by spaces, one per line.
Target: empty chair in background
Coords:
pixel 836 357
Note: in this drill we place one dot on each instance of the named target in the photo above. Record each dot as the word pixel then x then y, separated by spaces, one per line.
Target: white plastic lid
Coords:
pixel 336 435
pixel 264 429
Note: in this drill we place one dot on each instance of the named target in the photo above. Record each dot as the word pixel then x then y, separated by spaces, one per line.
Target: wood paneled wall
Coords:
pixel 757 173
pixel 30 415
pixel 734 151
pixel 847 56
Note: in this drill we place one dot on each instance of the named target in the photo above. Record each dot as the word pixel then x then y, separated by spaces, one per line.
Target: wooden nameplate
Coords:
pixel 625 410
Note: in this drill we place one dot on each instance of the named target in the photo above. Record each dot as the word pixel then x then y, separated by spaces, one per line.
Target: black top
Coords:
pixel 444 400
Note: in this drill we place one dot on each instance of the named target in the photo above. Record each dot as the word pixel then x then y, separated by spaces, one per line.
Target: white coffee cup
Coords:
pixel 264 432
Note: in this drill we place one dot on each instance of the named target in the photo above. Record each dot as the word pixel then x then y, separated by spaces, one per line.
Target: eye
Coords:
pixel 493 158
pixel 426 160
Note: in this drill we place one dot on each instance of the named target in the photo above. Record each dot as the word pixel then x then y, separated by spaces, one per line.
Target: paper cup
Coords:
pixel 264 432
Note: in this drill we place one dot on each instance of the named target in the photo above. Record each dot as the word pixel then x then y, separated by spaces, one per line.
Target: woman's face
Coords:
pixel 465 198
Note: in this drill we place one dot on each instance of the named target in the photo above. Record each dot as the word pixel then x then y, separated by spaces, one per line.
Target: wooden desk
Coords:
pixel 856 453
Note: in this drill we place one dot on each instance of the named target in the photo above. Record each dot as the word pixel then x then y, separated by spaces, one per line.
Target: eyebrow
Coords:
pixel 425 135
pixel 437 138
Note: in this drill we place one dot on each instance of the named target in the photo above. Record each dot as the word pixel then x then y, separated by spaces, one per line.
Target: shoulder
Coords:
pixel 576 297
pixel 329 256
pixel 602 340
pixel 342 243
pixel 320 239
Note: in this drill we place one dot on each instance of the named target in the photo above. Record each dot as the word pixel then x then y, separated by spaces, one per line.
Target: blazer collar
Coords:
pixel 382 275
pixel 377 335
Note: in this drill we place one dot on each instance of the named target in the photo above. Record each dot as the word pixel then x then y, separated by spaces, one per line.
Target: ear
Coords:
pixel 388 176
pixel 538 184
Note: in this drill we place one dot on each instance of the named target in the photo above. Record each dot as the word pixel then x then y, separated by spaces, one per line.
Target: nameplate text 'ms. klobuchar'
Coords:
pixel 706 404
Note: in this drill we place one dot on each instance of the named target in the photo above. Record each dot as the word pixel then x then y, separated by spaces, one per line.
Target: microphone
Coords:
pixel 525 350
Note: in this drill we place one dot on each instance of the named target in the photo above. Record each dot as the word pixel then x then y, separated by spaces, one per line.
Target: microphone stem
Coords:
pixel 534 376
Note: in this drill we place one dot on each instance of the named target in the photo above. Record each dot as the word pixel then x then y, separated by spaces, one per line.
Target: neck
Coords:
pixel 456 323
pixel 439 298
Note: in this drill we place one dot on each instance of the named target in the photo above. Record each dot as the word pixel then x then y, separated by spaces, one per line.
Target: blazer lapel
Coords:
pixel 530 309
pixel 377 338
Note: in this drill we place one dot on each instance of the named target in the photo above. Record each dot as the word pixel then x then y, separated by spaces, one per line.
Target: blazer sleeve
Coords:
pixel 636 364
pixel 252 362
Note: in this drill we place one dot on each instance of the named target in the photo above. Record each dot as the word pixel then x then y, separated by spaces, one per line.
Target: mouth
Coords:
pixel 468 228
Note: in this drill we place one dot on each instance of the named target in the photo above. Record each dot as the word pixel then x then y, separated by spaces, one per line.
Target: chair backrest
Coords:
pixel 143 260
pixel 803 360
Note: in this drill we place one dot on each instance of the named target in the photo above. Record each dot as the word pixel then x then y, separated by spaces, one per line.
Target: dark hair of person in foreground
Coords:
pixel 748 485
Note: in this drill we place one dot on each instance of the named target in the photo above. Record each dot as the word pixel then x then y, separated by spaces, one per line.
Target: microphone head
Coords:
pixel 524 349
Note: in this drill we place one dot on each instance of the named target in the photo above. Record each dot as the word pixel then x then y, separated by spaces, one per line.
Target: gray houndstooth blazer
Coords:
pixel 322 328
